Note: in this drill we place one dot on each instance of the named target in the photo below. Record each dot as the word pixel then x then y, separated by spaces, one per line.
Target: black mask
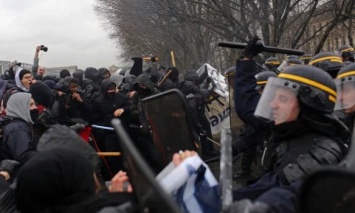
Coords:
pixel 110 95
pixel 34 115
pixel 144 92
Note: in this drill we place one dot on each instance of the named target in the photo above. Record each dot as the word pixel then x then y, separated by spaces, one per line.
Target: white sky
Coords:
pixel 69 28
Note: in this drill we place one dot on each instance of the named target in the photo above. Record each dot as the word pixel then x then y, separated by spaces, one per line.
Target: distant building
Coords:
pixel 5 65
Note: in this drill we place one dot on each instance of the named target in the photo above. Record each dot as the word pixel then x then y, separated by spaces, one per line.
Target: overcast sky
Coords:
pixel 70 28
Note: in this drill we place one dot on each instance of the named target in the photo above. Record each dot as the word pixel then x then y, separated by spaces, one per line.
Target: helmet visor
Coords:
pixel 345 93
pixel 279 102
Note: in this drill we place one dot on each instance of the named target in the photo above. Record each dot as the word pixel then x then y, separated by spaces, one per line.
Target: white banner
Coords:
pixel 218 111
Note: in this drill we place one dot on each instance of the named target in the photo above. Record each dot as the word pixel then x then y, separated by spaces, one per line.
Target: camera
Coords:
pixel 44 48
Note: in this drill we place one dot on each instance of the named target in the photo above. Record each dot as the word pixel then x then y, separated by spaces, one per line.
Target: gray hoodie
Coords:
pixel 18 106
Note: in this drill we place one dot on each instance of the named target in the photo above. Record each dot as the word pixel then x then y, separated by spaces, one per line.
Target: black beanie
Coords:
pixel 41 94
pixel 23 72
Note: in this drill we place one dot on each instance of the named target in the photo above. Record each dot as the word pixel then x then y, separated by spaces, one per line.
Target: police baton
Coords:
pixel 269 49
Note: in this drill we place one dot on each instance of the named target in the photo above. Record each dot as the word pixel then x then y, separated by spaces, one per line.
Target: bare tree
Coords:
pixel 192 28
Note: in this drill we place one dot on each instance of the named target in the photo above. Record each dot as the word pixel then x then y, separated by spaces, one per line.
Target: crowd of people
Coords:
pixel 303 107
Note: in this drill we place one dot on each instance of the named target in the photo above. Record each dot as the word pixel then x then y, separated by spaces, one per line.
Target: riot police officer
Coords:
pixel 246 141
pixel 299 103
pixel 327 61
pixel 347 53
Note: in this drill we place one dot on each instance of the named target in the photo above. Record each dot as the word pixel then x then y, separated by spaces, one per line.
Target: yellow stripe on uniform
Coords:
pixel 331 58
pixel 308 81
pixel 261 82
pixel 272 62
pixel 346 74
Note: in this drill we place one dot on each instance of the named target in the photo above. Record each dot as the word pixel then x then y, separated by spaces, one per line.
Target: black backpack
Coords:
pixel 3 122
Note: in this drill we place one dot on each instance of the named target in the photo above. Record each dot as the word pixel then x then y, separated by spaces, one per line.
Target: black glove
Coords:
pixel 254 47
pixel 77 127
pixel 246 206
pixel 8 166
pixel 153 59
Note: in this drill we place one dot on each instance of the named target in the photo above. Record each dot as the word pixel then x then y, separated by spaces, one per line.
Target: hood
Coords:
pixel 116 78
pixel 105 85
pixel 103 70
pixel 91 73
pixel 18 81
pixel 18 106
pixel 191 76
pixel 60 136
pixel 79 74
pixel 57 177
pixel 144 80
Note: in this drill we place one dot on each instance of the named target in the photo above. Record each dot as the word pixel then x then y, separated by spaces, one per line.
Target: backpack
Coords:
pixel 4 120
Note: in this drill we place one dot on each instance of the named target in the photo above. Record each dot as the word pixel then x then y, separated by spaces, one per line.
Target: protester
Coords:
pixel 23 80
pixel 18 143
pixel 68 184
pixel 64 73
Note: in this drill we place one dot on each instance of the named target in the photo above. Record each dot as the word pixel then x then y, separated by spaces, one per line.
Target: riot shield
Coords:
pixel 149 194
pixel 171 128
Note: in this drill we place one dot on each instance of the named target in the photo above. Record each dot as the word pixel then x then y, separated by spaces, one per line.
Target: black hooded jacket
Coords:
pixel 108 105
pixel 144 87
pixel 79 75
pixel 89 84
pixel 67 185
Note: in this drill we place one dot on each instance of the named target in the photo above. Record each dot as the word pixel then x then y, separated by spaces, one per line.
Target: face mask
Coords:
pixel 110 95
pixel 34 115
pixel 143 92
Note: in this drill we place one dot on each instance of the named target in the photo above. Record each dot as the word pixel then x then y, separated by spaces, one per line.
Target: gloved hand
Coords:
pixel 8 165
pixel 153 59
pixel 254 47
pixel 77 127
pixel 246 206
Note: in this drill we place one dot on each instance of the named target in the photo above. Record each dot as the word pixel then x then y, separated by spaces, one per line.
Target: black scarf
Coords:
pixel 291 129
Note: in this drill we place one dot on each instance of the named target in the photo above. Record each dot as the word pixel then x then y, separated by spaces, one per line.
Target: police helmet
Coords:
pixel 293 61
pixel 272 63
pixel 262 77
pixel 327 61
pixel 314 89
pixel 346 49
pixel 292 57
pixel 305 58
pixel 345 85
pixel 347 52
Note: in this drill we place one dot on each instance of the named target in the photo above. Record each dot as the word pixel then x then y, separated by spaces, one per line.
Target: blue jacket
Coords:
pixel 246 98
